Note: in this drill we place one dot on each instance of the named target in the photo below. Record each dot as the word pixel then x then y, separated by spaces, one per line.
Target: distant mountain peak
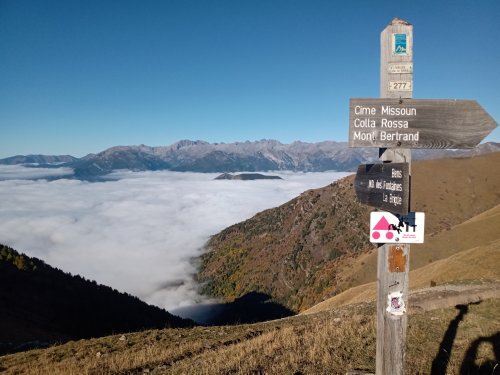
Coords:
pixel 186 143
pixel 38 159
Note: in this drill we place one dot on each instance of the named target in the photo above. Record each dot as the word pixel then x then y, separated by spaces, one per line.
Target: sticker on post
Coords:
pixel 386 227
pixel 395 304
pixel 399 44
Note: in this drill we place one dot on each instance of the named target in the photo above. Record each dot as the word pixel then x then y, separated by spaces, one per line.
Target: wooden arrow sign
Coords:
pixel 417 123
pixel 384 186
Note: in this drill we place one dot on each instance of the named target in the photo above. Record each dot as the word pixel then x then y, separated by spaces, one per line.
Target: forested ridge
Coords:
pixel 40 305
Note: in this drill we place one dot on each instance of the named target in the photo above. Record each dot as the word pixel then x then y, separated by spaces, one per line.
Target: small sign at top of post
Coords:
pixel 400 44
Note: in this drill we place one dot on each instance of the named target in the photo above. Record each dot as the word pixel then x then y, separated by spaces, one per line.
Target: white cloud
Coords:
pixel 139 231
pixel 19 172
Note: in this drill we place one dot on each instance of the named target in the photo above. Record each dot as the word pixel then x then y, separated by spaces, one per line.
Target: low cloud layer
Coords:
pixel 11 172
pixel 139 231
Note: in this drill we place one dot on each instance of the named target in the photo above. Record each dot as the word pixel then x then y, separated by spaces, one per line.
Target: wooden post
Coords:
pixel 396 81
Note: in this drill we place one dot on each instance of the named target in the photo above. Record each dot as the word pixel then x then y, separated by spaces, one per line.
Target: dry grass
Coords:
pixel 99 356
pixel 482 262
pixel 315 345
pixel 480 230
pixel 427 330
pixel 469 267
pixel 469 251
pixel 324 343
pixel 325 347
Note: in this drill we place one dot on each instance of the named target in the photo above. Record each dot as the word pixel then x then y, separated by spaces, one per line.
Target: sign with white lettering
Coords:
pixel 384 186
pixel 400 68
pixel 386 227
pixel 417 123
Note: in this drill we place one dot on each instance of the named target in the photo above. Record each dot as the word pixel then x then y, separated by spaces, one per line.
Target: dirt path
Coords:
pixel 443 296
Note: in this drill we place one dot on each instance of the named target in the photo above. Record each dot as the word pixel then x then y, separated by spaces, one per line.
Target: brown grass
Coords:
pixel 467 267
pixel 469 251
pixel 317 349
pixel 324 343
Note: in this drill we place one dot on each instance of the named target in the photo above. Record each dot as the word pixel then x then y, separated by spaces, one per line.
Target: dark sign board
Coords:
pixel 384 186
pixel 417 123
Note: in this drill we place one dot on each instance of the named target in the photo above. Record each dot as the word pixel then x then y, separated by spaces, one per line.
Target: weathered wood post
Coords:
pixel 396 81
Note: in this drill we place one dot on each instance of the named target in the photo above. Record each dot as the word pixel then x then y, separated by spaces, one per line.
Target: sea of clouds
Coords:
pixel 138 232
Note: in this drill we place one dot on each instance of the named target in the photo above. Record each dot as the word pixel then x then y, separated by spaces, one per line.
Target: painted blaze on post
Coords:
pixel 417 123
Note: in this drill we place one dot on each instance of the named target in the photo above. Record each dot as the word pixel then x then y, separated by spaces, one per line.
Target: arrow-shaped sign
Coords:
pixel 417 123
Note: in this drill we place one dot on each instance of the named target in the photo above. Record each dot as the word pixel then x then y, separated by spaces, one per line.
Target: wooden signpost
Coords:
pixel 396 123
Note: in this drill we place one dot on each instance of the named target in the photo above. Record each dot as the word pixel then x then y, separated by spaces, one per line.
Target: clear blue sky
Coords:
pixel 80 76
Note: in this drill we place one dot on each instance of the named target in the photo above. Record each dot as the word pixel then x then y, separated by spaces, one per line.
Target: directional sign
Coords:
pixel 386 227
pixel 384 186
pixel 417 123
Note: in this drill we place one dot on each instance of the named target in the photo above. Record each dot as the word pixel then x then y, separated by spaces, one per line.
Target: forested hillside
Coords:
pixel 40 305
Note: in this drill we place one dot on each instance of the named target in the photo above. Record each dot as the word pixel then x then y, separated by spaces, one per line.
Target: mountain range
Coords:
pixel 201 156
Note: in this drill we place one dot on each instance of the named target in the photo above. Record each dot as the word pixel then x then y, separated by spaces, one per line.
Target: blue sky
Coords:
pixel 81 76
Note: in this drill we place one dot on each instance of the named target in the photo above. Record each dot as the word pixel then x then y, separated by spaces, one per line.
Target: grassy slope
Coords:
pixel 449 191
pixel 468 251
pixel 328 342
